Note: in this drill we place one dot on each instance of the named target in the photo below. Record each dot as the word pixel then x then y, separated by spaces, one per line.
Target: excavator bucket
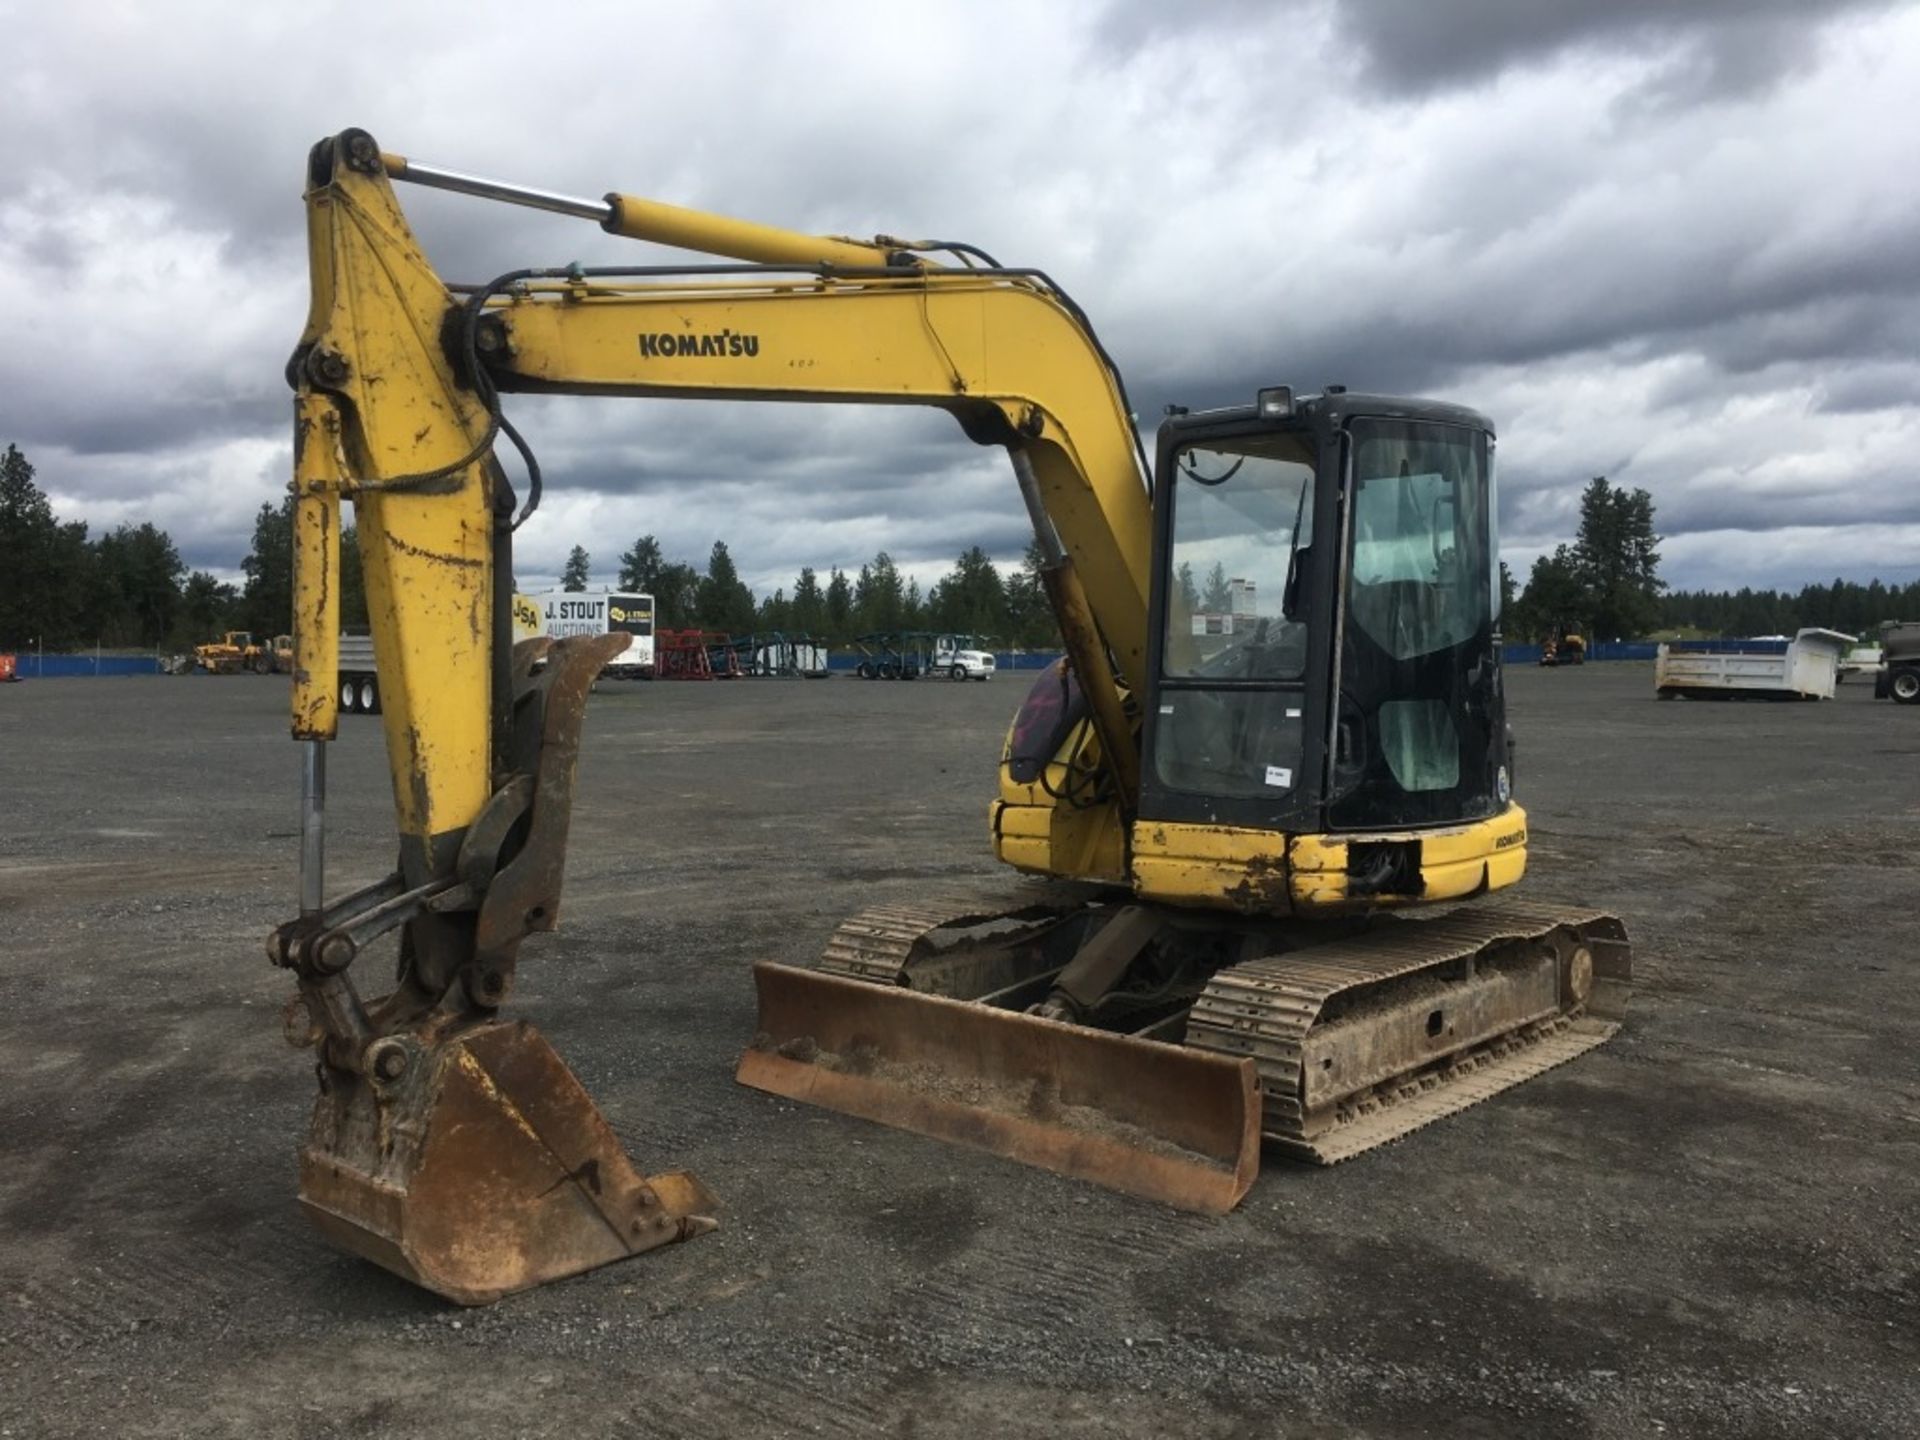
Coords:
pixel 484 1168
pixel 1154 1120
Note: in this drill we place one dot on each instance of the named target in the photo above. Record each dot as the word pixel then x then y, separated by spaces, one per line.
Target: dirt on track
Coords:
pixel 1707 1227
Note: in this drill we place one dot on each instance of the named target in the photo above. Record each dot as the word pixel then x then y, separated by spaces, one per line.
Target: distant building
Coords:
pixel 1241 606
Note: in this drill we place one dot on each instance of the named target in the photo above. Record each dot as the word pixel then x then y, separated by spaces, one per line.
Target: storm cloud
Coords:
pixel 1676 245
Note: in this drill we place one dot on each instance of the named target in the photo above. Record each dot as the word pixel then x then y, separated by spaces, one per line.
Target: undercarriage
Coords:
pixel 987 1023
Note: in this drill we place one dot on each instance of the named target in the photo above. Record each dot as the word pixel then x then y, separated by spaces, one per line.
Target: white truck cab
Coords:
pixel 960 663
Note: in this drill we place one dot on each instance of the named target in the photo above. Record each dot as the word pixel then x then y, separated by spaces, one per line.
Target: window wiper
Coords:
pixel 1288 606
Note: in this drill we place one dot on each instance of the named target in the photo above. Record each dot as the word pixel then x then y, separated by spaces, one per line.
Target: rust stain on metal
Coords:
pixel 1265 888
pixel 420 552
pixel 1146 1118
pixel 489 1171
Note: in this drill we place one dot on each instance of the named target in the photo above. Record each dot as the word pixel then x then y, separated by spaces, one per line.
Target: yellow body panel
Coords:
pixel 316 568
pixel 1270 872
pixel 1048 839
pixel 373 347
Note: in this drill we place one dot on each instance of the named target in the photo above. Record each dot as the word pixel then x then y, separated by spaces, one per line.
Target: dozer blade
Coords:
pixel 1154 1120
pixel 483 1169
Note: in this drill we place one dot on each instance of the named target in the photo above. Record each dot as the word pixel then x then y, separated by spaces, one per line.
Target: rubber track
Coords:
pixel 1264 1008
pixel 877 943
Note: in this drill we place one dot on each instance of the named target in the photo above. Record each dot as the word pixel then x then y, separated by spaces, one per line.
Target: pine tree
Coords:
pixel 1617 560
pixel 577 569
pixel 879 596
pixel 353 581
pixel 676 596
pixel 138 571
pixel 776 612
pixel 839 605
pixel 1555 596
pixel 207 605
pixel 1189 592
pixel 1219 598
pixel 640 567
pixel 267 601
pixel 808 613
pixel 971 599
pixel 725 601
pixel 1030 621
pixel 28 538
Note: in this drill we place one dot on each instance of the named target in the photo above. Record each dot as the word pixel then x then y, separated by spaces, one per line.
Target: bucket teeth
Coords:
pixel 485 1169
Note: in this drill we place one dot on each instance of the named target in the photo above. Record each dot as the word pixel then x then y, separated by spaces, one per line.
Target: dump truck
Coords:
pixel 1898 678
pixel 1806 667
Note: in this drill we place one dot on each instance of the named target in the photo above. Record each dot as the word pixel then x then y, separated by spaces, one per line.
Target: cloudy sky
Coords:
pixel 1674 242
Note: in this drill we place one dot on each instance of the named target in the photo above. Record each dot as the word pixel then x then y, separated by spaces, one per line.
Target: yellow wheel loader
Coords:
pixel 1278 734
pixel 233 652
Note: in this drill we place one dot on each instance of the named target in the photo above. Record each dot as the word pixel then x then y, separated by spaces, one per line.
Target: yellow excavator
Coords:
pixel 1279 726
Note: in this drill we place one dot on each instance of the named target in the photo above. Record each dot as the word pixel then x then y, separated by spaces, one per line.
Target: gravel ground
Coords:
pixel 1707 1227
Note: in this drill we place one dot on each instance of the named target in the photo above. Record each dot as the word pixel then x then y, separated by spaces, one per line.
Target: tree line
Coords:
pixel 1845 605
pixel 972 598
pixel 128 588
pixel 1607 584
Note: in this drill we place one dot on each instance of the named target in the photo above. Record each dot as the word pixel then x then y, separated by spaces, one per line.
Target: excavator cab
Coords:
pixel 1323 638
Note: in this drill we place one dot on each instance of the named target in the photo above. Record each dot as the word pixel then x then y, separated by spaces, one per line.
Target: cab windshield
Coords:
pixel 1419 666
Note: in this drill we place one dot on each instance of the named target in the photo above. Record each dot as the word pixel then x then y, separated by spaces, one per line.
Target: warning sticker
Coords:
pixel 1280 776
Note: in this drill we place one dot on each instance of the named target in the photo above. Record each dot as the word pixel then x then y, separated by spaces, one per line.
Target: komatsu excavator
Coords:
pixel 1279 725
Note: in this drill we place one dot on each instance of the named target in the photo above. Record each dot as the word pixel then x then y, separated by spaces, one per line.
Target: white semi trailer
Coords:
pixel 596 612
pixel 360 681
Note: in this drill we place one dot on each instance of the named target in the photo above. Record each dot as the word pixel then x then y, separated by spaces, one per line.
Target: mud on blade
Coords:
pixel 1149 1119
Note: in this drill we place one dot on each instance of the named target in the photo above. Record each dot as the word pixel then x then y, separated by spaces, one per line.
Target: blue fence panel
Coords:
pixel 66 667
pixel 1728 647
pixel 1622 650
pixel 1520 654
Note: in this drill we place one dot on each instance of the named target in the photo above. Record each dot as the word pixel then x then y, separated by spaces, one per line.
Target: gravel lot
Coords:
pixel 1707 1227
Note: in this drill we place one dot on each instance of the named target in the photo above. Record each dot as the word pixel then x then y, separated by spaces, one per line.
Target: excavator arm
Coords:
pixel 398 380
